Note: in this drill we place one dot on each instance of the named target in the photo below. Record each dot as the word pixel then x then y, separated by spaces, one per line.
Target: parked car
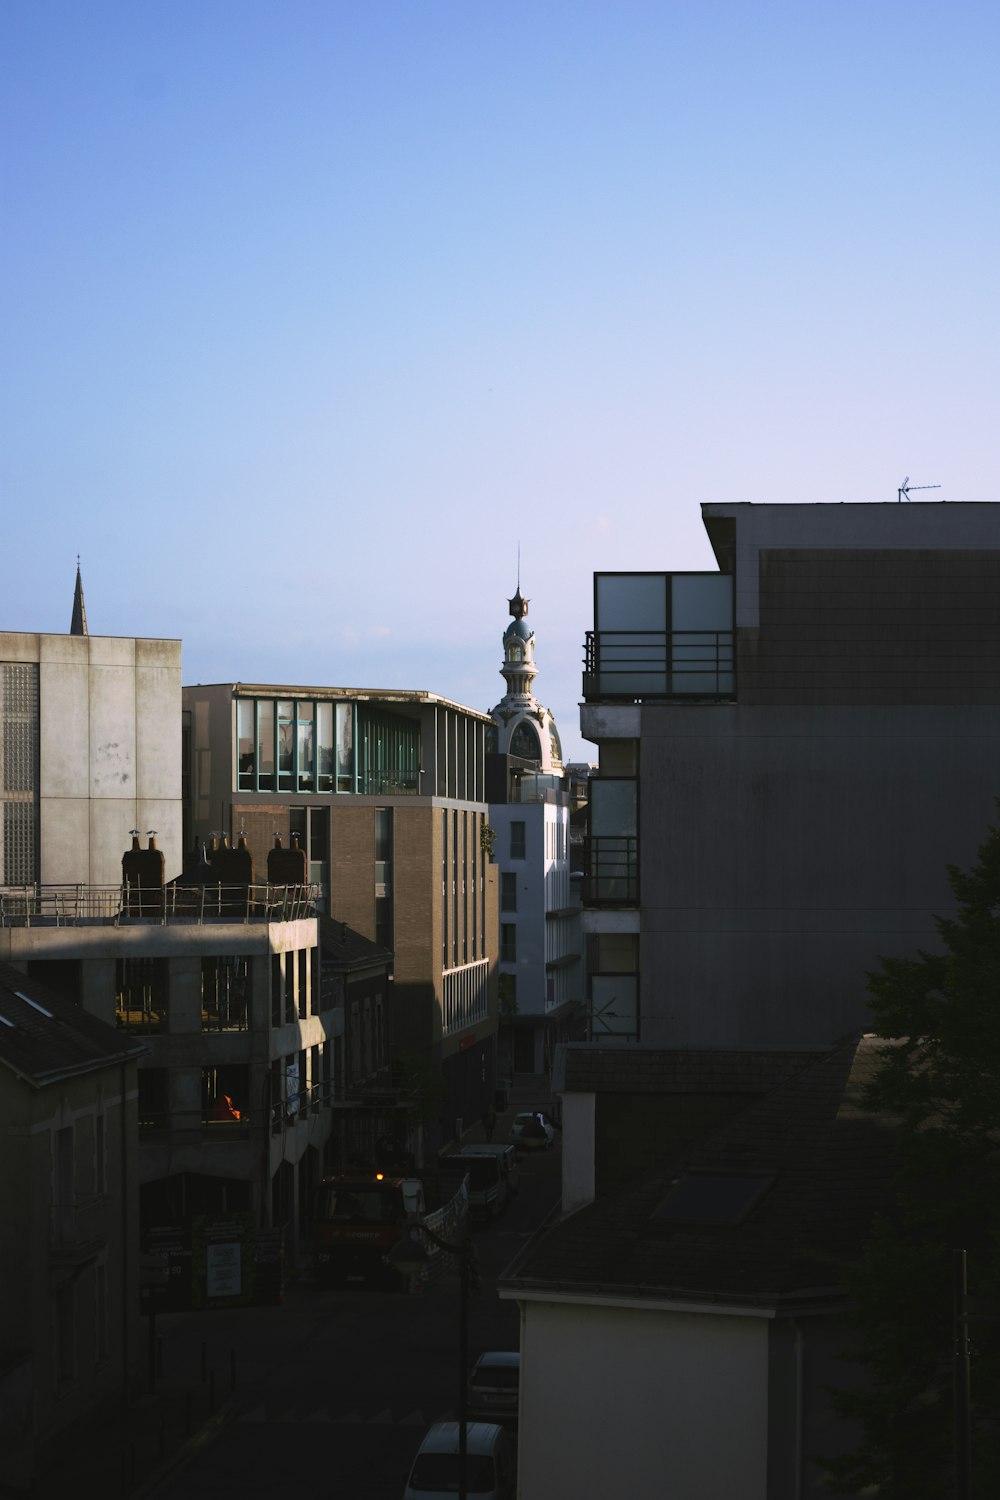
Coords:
pixel 489 1467
pixel 532 1131
pixel 493 1386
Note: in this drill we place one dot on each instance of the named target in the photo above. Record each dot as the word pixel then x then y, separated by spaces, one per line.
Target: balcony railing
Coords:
pixel 611 871
pixel 634 665
pixel 120 906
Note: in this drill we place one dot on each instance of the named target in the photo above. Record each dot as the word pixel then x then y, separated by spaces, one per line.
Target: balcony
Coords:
pixel 611 871
pixel 665 636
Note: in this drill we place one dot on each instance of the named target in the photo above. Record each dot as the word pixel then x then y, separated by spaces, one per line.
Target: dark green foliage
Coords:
pixel 941 1081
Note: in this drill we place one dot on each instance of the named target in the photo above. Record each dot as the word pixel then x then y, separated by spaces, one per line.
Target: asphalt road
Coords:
pixel 338 1411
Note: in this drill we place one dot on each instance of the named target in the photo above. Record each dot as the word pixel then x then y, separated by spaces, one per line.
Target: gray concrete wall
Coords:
pixel 109 750
pixel 783 849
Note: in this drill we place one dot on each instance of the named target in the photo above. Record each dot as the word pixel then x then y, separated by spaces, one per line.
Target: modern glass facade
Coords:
pixel 305 745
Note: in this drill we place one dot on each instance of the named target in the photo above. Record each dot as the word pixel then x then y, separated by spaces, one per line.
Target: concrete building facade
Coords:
pixel 792 749
pixel 90 748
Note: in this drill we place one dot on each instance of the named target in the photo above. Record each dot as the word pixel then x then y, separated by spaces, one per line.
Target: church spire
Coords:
pixel 78 625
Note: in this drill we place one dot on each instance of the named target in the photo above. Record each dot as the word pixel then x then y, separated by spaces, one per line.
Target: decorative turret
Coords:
pixel 524 727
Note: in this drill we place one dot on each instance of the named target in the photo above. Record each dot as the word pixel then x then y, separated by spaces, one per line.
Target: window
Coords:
pixel 508 943
pixel 225 994
pixel 524 743
pixel 153 1093
pixel 225 1094
pixel 141 994
pixel 306 747
pixel 265 747
pixel 517 840
pixel 245 743
pixel 286 745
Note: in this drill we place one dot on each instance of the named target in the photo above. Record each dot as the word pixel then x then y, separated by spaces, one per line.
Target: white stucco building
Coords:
pixel 541 968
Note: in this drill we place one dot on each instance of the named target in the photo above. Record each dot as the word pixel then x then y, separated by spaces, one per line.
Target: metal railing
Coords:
pixel 118 906
pixel 639 664
pixel 611 871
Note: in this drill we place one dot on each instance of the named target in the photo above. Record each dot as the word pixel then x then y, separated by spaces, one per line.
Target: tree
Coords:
pixel 940 1080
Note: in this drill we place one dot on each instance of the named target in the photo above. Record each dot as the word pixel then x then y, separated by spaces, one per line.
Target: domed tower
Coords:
pixel 524 727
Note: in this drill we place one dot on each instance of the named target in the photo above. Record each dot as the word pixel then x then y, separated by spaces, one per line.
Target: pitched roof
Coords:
pixel 590 1067
pixel 44 1037
pixel 344 947
pixel 821 1166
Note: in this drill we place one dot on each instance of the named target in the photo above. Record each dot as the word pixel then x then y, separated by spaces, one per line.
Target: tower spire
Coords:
pixel 78 624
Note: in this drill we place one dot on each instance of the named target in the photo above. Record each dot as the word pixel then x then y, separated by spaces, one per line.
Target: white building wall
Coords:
pixel 685 1415
pixel 543 886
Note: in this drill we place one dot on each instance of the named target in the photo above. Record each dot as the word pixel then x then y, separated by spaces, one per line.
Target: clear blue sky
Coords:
pixel 312 311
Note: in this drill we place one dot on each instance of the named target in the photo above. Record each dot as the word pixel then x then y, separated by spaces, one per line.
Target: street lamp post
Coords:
pixel 409 1257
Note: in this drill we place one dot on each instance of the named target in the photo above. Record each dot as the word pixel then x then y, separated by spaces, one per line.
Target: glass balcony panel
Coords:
pixel 612 808
pixel 701 601
pixel 631 601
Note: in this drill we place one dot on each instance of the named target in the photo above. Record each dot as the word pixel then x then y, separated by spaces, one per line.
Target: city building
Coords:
pixel 385 792
pixel 713 1286
pixel 69 1230
pixel 541 973
pixel 792 749
pixel 220 982
pixel 90 748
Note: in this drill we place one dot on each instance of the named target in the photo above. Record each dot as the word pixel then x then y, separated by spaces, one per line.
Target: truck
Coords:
pixel 488 1186
pixel 360 1214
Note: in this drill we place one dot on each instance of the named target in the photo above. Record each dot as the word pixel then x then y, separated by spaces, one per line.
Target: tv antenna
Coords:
pixel 903 493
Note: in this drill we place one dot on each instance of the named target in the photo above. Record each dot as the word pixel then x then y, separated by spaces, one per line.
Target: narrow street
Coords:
pixel 338 1409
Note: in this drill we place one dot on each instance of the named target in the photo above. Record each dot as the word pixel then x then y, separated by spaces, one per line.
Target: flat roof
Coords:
pixel 418 697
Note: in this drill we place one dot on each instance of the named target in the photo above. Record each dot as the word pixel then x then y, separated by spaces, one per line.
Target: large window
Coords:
pixel 225 1094
pixel 141 994
pixel 225 994
pixel 508 891
pixel 294 745
pixel 508 943
pixel 517 840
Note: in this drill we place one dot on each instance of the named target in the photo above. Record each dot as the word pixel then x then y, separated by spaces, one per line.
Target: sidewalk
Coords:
pixel 206 1360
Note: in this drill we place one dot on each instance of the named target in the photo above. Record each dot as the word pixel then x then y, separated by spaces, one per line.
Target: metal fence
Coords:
pixel 119 906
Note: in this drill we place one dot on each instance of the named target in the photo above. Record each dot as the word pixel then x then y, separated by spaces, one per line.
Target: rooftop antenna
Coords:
pixel 903 493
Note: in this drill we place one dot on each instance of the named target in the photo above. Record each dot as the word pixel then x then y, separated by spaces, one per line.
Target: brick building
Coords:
pixel 385 792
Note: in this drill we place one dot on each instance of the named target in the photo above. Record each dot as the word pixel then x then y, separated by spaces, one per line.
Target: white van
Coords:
pixel 489 1464
pixel 505 1154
